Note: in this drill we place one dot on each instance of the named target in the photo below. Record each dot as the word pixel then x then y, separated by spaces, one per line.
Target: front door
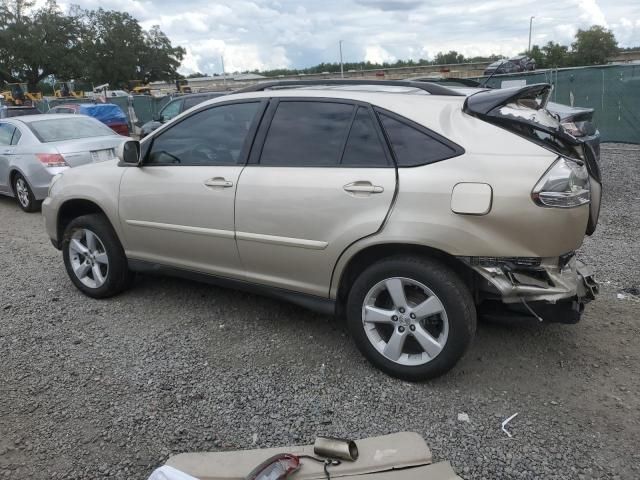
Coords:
pixel 319 179
pixel 178 208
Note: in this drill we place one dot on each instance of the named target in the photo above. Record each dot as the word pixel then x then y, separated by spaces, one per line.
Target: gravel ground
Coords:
pixel 96 389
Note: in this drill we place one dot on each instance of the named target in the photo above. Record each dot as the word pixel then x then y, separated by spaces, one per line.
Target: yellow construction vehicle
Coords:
pixel 65 90
pixel 138 87
pixel 19 94
pixel 182 86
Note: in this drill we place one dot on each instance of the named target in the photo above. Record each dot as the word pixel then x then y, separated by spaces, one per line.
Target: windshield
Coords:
pixel 70 128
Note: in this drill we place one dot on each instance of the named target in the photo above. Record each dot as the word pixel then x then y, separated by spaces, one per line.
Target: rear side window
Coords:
pixel 307 134
pixel 16 137
pixel 413 147
pixel 363 147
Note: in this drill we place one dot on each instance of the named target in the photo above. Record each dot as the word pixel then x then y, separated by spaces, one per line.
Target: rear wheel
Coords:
pixel 411 317
pixel 94 258
pixel 24 195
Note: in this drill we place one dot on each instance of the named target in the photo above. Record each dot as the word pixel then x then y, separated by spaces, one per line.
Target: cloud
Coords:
pixel 390 5
pixel 267 34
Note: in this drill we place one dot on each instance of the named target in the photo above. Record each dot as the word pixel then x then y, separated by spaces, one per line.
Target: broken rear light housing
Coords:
pixel 564 185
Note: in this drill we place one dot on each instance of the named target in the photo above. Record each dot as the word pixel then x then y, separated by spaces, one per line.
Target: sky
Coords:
pixel 267 34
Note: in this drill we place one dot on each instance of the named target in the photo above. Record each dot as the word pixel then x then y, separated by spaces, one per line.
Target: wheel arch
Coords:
pixel 14 170
pixel 75 208
pixel 360 260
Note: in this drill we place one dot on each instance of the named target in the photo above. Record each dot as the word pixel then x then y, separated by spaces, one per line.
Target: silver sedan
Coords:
pixel 34 148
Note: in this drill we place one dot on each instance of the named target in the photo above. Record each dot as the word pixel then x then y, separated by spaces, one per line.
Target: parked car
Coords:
pixel 108 113
pixel 8 111
pixel 500 67
pixel 409 208
pixel 174 108
pixel 524 63
pixel 34 148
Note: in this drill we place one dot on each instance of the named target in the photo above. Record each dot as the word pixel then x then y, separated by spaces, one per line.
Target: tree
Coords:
pixel 450 57
pixel 37 45
pixel 556 55
pixel 593 46
pixel 159 60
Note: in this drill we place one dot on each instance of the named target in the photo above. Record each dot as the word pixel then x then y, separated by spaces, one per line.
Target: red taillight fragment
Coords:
pixel 51 159
pixel 275 468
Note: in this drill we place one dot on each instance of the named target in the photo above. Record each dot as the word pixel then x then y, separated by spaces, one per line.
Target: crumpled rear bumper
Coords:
pixel 553 280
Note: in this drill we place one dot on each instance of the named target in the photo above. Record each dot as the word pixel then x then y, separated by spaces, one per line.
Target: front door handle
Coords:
pixel 362 187
pixel 218 182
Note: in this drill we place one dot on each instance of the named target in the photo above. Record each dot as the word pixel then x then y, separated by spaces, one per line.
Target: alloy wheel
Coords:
pixel 405 321
pixel 88 257
pixel 22 192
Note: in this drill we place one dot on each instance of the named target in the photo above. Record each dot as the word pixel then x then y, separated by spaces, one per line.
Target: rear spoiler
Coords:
pixel 482 103
pixel 517 107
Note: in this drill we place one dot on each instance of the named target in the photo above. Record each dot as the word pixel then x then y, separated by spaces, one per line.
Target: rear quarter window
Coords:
pixel 413 145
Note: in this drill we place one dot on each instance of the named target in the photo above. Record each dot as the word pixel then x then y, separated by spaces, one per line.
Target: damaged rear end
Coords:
pixel 552 289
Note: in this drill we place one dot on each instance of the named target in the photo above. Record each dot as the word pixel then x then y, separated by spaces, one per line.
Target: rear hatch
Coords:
pixel 88 150
pixel 565 130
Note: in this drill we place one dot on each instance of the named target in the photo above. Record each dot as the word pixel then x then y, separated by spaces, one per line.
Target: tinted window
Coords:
pixel 172 109
pixel 309 134
pixel 411 146
pixel 214 136
pixel 6 133
pixel 363 146
pixel 193 101
pixel 69 128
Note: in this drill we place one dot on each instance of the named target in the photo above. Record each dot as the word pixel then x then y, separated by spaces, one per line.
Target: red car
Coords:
pixel 108 113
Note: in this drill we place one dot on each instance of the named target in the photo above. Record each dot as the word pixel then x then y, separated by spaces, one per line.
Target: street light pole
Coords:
pixel 224 76
pixel 341 66
pixel 530 27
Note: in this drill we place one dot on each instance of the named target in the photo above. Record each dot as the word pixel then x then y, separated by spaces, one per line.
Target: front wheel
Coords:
pixel 411 317
pixel 94 258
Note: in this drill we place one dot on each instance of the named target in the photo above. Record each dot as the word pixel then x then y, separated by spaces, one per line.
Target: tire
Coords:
pixel 95 235
pixel 449 319
pixel 24 195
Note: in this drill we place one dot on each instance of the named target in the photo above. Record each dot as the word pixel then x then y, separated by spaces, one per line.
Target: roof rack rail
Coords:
pixel 430 88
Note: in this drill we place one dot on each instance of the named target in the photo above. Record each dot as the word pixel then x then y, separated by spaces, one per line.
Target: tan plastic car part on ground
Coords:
pixel 398 456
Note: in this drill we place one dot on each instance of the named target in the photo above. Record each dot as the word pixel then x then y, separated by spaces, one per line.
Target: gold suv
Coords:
pixel 408 208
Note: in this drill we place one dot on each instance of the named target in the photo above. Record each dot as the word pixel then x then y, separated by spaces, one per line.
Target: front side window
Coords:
pixel 307 134
pixel 6 133
pixel 215 136
pixel 171 110
pixel 413 147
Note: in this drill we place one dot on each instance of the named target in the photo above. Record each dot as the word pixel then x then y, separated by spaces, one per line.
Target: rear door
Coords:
pixel 6 150
pixel 320 177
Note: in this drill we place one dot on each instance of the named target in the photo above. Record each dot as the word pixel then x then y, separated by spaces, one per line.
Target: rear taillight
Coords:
pixel 277 467
pixel 51 159
pixel 564 185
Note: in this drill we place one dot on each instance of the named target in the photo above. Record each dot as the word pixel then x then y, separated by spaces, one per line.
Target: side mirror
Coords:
pixel 129 152
pixel 157 117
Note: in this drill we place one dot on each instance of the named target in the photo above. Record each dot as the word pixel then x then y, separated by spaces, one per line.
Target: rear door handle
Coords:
pixel 362 187
pixel 218 182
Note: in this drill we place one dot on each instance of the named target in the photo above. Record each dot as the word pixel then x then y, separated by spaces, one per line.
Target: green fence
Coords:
pixel 613 91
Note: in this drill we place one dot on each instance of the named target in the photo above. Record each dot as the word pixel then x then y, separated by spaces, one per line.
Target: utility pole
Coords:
pixel 530 27
pixel 341 66
pixel 224 76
